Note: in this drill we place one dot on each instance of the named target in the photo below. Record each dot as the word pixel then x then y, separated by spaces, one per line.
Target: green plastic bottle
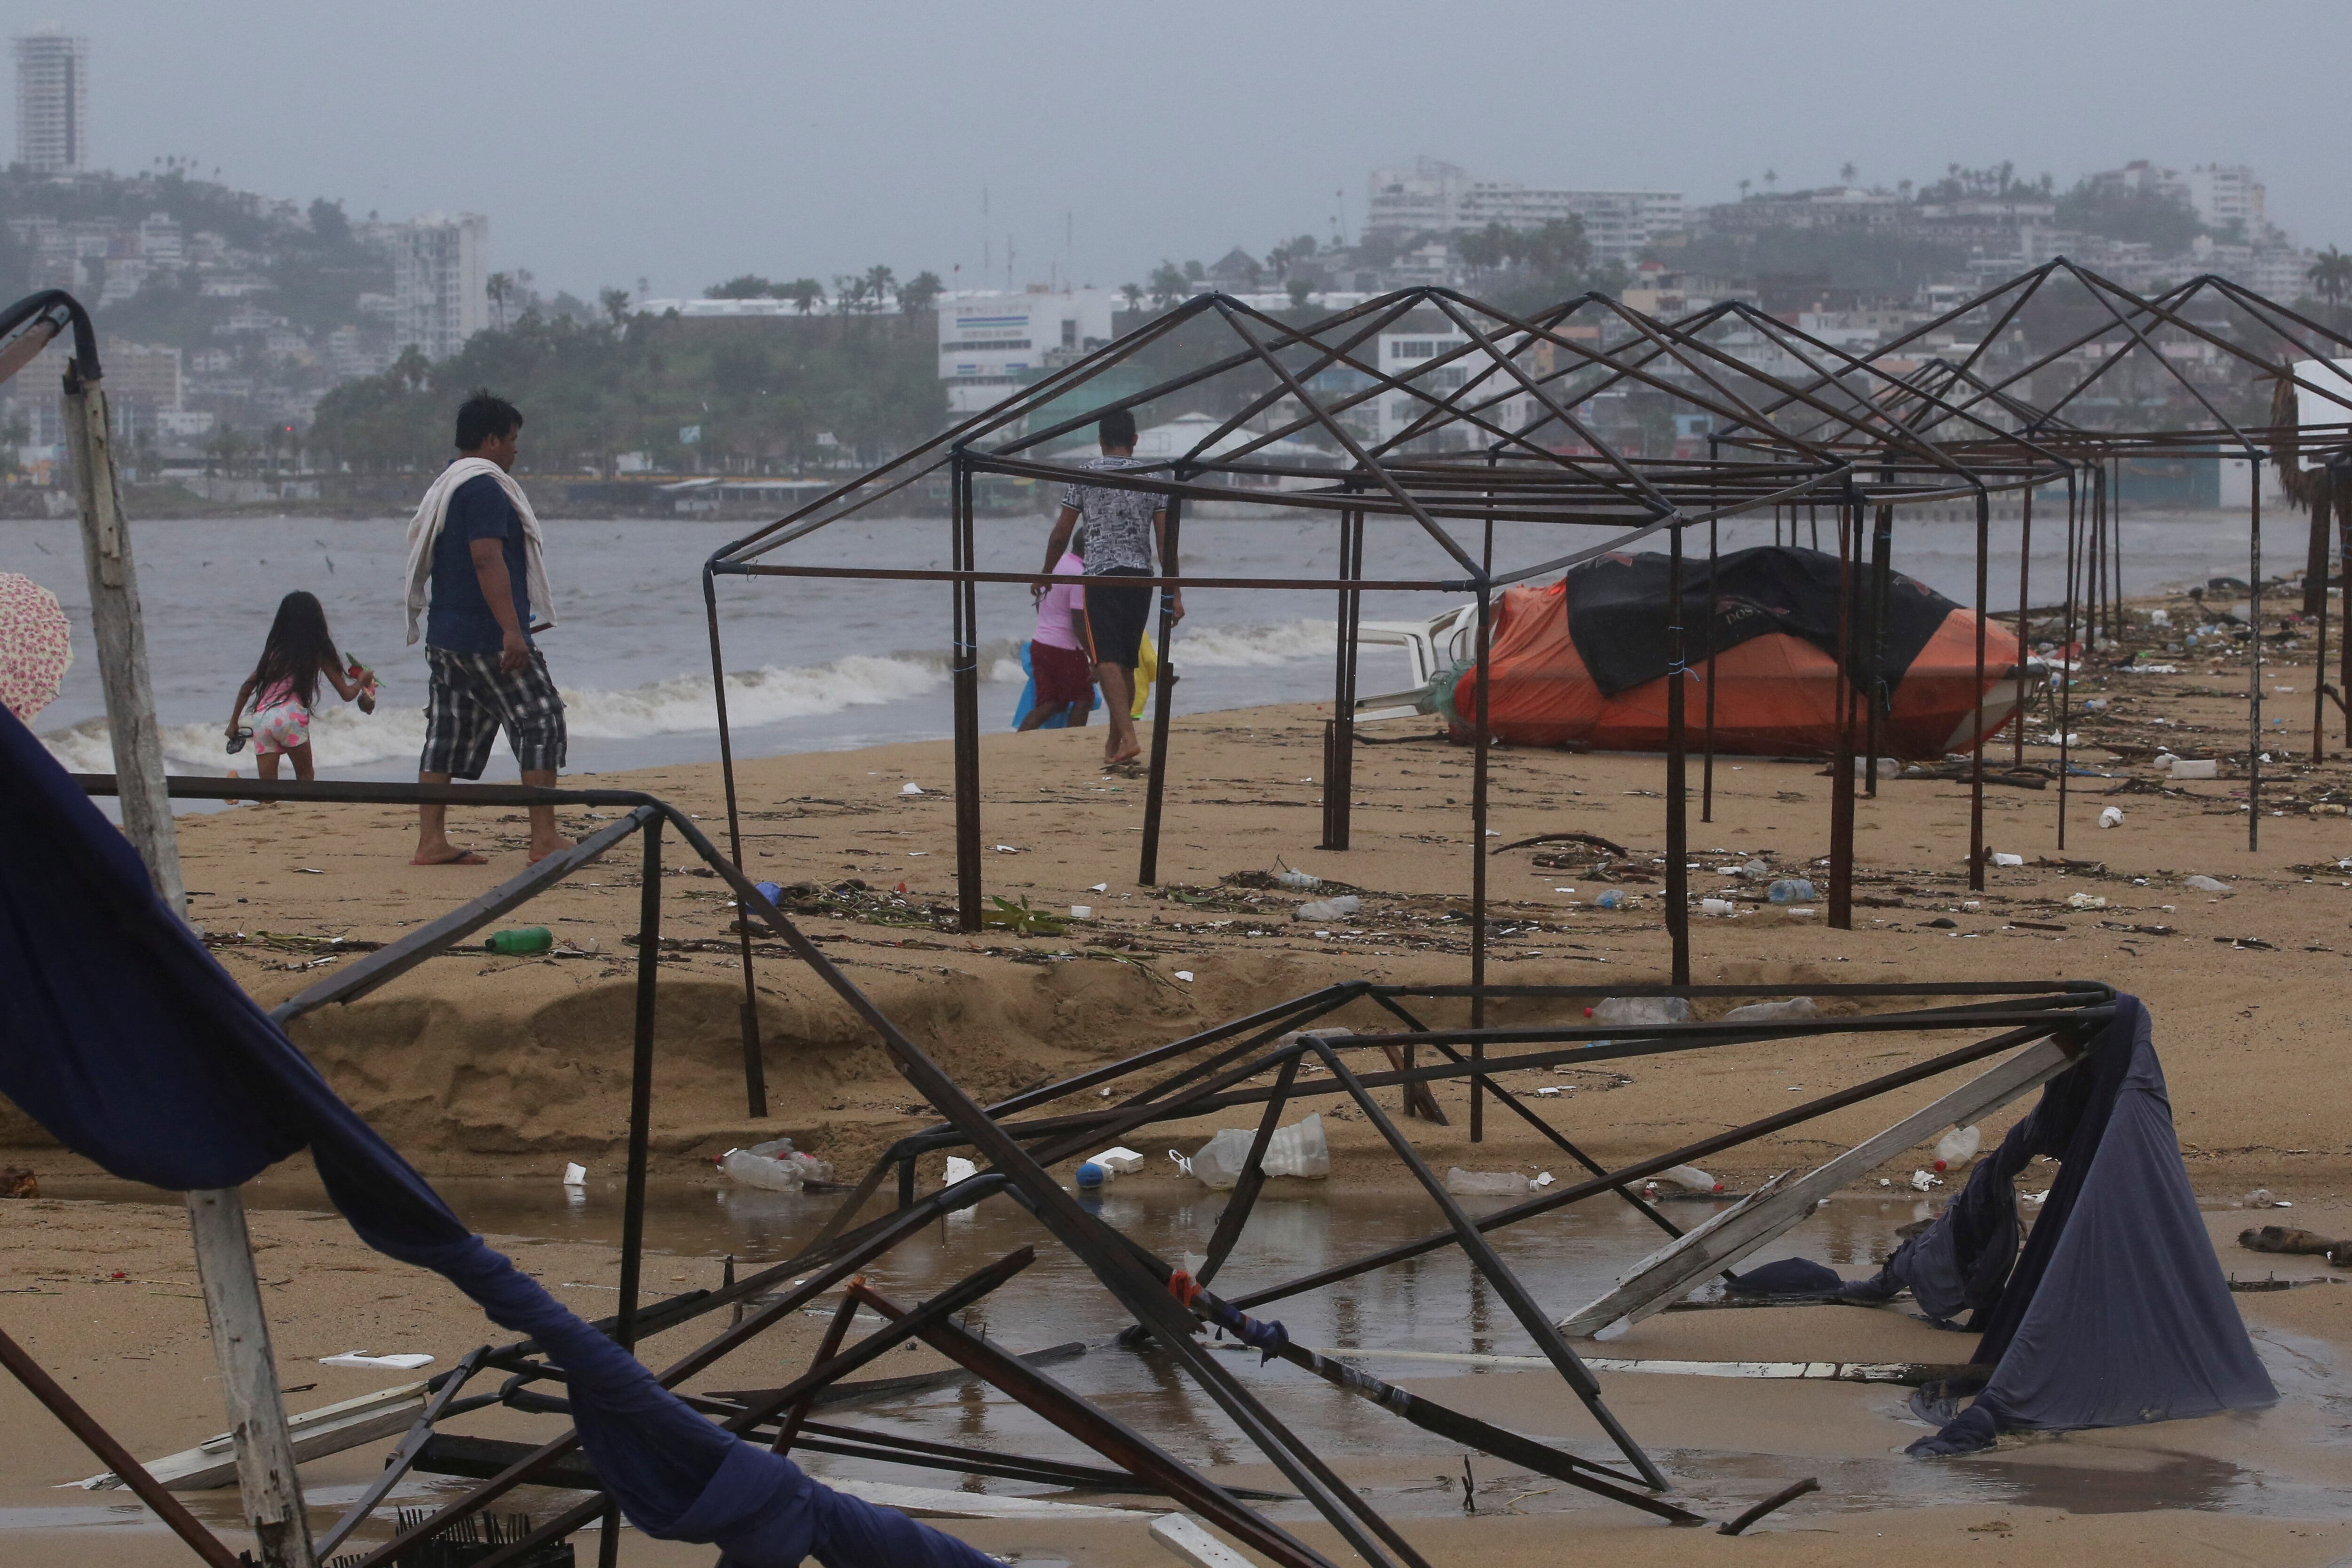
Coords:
pixel 522 939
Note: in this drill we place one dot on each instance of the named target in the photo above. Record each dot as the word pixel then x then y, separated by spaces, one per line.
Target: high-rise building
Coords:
pixel 1433 197
pixel 2227 196
pixel 52 102
pixel 440 282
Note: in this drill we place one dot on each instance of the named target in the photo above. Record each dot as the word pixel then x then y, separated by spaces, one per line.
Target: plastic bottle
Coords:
pixel 1218 1163
pixel 1484 1184
pixel 1339 908
pixel 1762 1012
pixel 1690 1178
pixel 774 1165
pixel 1618 1011
pixel 1790 890
pixel 1299 1150
pixel 1305 881
pixel 1617 898
pixel 1956 1148
pixel 519 940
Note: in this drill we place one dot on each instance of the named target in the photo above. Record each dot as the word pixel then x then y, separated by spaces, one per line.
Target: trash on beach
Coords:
pixel 1765 1012
pixel 1755 871
pixel 2113 817
pixel 309 871
pixel 1956 1148
pixel 1923 1181
pixel 1082 912
pixel 2201 884
pixel 1621 1011
pixel 1091 1176
pixel 2163 760
pixel 1298 1150
pixel 2197 767
pixel 960 1169
pixel 1543 1179
pixel 1099 887
pixel 1548 1092
pixel 1718 906
pixel 2002 857
pixel 774 1166
pixel 18 1181
pixel 575 1175
pixel 1306 882
pixel 1185 975
pixel 408 1360
pixel 2262 1198
pixel 1339 908
pixel 1118 1159
pixel 1690 1178
pixel 2086 901
pixel 1484 1184
pixel 1791 890
pixel 910 788
pixel 519 940
pixel 1888 767
pixel 1007 850
pixel 1617 898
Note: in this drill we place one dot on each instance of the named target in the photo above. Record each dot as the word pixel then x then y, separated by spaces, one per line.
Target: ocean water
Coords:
pixel 816 665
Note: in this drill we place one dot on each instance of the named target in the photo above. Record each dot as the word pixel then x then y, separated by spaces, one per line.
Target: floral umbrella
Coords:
pixel 36 646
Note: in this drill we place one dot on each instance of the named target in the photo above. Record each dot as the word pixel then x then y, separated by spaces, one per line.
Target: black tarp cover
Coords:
pixel 2117 1312
pixel 1617 611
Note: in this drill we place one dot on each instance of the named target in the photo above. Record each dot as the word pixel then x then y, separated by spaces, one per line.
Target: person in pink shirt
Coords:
pixel 1061 653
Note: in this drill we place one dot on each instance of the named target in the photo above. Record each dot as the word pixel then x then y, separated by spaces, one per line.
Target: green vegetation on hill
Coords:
pixel 753 395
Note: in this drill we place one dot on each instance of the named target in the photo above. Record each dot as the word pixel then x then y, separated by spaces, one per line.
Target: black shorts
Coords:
pixel 1117 616
pixel 469 699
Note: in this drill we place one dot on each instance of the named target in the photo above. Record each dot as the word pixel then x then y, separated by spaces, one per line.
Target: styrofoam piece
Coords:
pixel 405 1361
pixel 574 1174
pixel 960 1169
pixel 1192 1543
pixel 1118 1158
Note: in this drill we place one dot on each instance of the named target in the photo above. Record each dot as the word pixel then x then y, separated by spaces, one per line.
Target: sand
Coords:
pixel 475 1064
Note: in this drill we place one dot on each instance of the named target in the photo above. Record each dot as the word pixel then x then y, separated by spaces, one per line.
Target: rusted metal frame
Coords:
pixel 1481 743
pixel 755 1068
pixel 398 956
pixel 956 1297
pixel 2097 286
pixel 1497 1273
pixel 397 1463
pixel 1834 478
pixel 1088 1237
pixel 880 1239
pixel 1504 1445
pixel 1558 1139
pixel 113 1455
pixel 1582 1045
pixel 935 574
pixel 1677 882
pixel 806 519
pixel 1699 1149
pixel 1714 619
pixel 1841 900
pixel 2024 627
pixel 1977 726
pixel 1252 1181
pixel 1355 449
pixel 1263 401
pixel 1122 1445
pixel 1163 698
pixel 789 1419
pixel 2319 507
pixel 2070 654
pixel 2257 306
pixel 1881 704
pixel 898 1448
pixel 2254 656
pixel 1340 732
pixel 641 1087
pixel 964 672
pixel 1533 388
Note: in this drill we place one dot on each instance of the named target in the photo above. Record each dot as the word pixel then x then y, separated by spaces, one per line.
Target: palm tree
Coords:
pixel 2331 276
pixel 1134 295
pixel 1846 171
pixel 1771 178
pixel 1743 188
pixel 803 292
pixel 500 288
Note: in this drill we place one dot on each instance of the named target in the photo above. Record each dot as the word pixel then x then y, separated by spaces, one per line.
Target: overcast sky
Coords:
pixel 690 140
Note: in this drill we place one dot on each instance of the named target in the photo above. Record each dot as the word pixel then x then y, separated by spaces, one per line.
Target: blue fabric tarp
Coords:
pixel 2116 1312
pixel 120 1035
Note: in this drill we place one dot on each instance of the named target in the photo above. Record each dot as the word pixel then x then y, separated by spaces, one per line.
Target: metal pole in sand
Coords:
pixel 1163 697
pixel 2024 638
pixel 641 1101
pixel 2254 658
pixel 2315 598
pixel 755 1068
pixel 1848 523
pixel 1976 692
pixel 1707 742
pixel 1478 740
pixel 966 676
pixel 264 1452
pixel 2069 657
pixel 1340 734
pixel 1678 763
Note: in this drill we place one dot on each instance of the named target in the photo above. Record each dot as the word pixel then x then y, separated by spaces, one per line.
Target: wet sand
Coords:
pixel 480 1065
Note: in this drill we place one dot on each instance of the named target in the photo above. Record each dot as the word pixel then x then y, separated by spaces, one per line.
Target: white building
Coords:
pixel 2226 193
pixel 991 343
pixel 1433 197
pixel 1498 398
pixel 52 102
pixel 440 282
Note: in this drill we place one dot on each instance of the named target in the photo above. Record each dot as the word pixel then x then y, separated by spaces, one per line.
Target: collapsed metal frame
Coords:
pixel 1167 1305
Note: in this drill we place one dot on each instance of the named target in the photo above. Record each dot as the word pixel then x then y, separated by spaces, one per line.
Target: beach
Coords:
pixel 491 1072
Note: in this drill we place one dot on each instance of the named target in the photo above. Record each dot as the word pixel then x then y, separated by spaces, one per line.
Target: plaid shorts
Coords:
pixel 470 699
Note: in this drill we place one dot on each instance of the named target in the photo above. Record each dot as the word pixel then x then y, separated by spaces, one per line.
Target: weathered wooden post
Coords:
pixel 256 1413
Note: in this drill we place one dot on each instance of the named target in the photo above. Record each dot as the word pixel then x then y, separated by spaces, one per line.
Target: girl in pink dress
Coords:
pixel 299 649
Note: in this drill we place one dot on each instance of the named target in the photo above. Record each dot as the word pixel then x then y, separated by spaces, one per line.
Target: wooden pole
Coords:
pixel 256 1415
pixel 1155 787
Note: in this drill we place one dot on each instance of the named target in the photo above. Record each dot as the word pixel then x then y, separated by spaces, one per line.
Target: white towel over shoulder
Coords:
pixel 433 512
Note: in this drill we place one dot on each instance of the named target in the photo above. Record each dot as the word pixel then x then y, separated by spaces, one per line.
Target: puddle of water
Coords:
pixel 1435 1301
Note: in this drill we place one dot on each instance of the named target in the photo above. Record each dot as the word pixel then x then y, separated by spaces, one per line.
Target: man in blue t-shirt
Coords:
pixel 487 673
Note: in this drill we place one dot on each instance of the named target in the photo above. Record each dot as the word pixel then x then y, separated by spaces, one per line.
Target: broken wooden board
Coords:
pixel 1185 1537
pixel 1777 1206
pixel 330 1429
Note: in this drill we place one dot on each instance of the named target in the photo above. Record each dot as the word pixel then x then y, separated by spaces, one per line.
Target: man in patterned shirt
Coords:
pixel 1125 537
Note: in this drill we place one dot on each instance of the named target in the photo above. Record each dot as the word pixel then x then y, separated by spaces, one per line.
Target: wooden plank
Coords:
pixel 330 1429
pixel 1190 1542
pixel 1912 1373
pixel 1777 1206
pixel 267 1479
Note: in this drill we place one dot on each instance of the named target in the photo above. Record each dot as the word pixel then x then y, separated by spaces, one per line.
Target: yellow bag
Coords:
pixel 1146 669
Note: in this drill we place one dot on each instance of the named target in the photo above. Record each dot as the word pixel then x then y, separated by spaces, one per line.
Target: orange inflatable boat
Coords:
pixel 1603 682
